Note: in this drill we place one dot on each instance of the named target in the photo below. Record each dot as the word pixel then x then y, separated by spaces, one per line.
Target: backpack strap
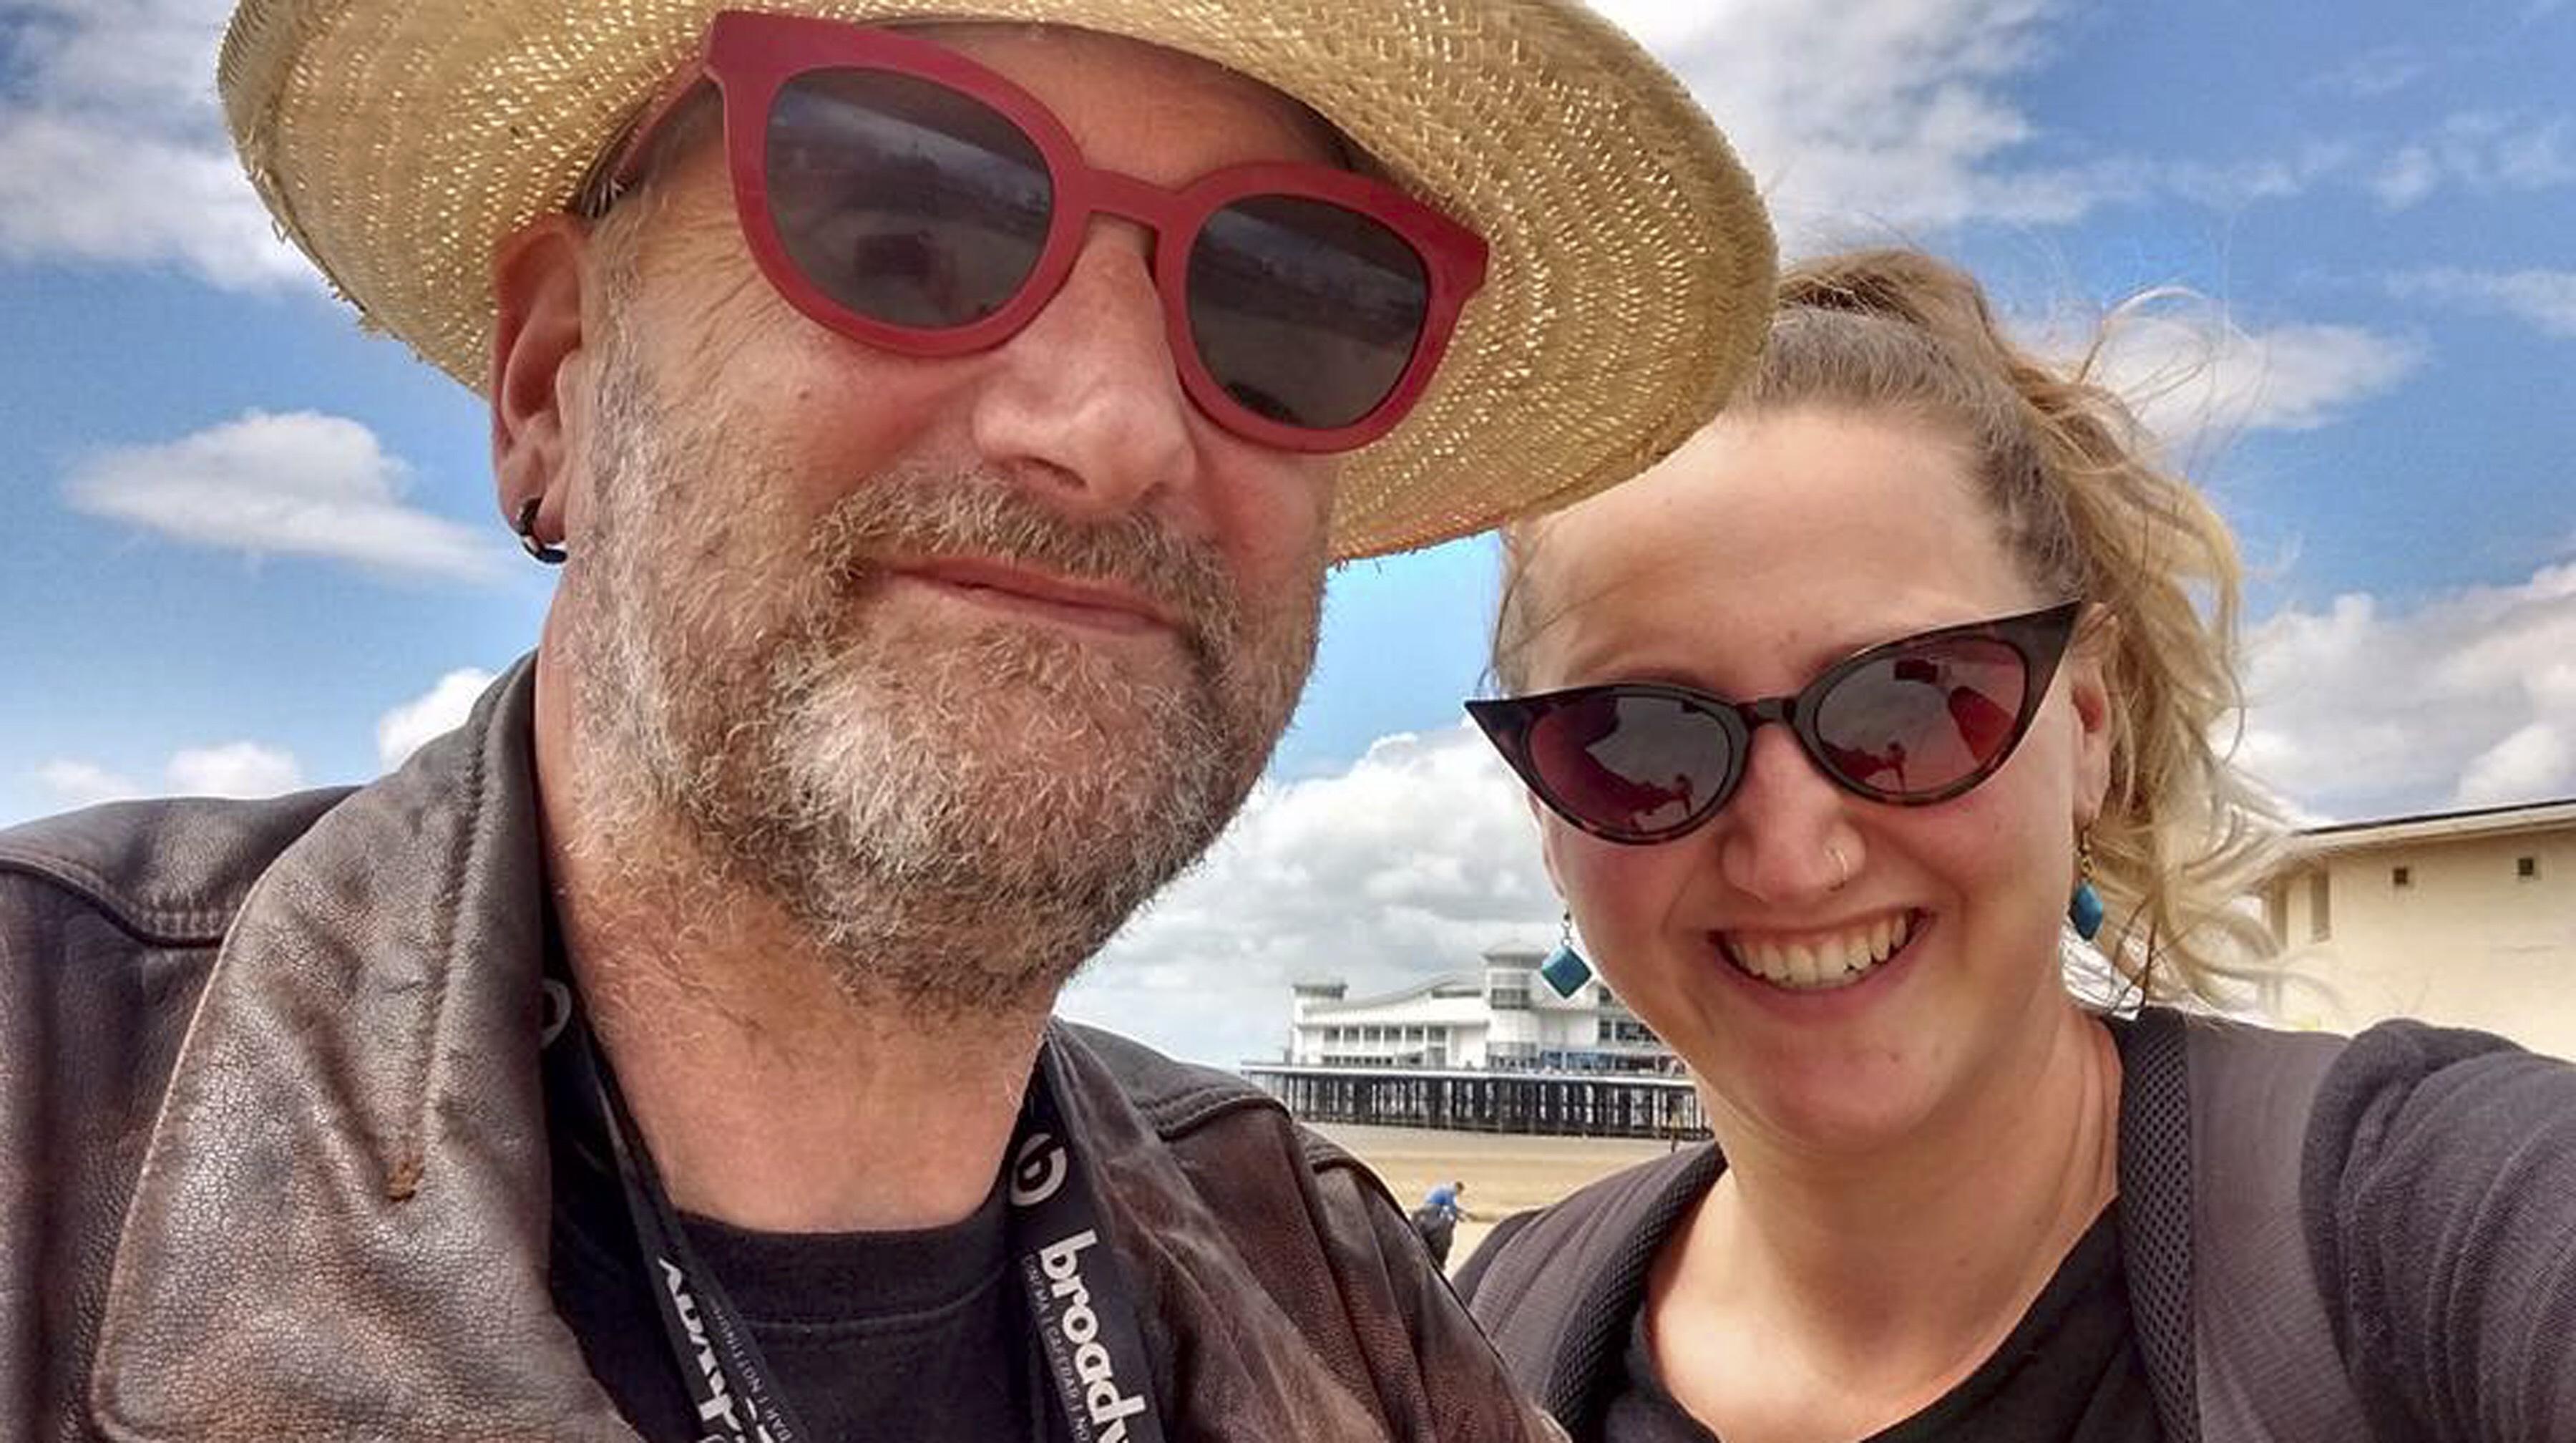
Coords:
pixel 2231 1325
pixel 2155 1211
pixel 1558 1289
pixel 2267 1364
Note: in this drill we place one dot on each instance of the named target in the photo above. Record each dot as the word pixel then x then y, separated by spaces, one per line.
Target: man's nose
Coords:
pixel 1086 398
pixel 1785 825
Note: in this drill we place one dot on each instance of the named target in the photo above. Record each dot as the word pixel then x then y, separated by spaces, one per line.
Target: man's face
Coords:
pixel 959 659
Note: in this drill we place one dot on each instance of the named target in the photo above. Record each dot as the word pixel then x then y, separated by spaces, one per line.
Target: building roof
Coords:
pixel 1468 984
pixel 1656 1081
pixel 2522 819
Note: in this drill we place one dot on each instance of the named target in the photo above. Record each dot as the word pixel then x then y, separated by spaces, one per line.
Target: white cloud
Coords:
pixel 2234 185
pixel 2545 299
pixel 2374 74
pixel 2468 699
pixel 112 149
pixel 2537 761
pixel 2480 152
pixel 1893 114
pixel 401 732
pixel 120 51
pixel 236 769
pixel 1411 863
pixel 84 784
pixel 2406 178
pixel 2477 153
pixel 2193 375
pixel 70 188
pixel 299 484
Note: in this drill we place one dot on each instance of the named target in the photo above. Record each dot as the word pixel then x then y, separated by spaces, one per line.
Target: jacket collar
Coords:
pixel 343 1212
pixel 343 1208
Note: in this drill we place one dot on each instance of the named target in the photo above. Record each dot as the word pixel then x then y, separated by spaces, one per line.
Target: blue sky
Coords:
pixel 247 547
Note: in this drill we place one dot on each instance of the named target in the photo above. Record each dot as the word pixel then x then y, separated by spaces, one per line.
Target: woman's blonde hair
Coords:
pixel 2182 838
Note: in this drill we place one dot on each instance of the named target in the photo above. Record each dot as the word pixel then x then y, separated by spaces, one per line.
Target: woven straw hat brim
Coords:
pixel 398 142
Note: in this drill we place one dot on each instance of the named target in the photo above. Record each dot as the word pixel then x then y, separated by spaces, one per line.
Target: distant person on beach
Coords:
pixel 944 432
pixel 1438 1218
pixel 1840 726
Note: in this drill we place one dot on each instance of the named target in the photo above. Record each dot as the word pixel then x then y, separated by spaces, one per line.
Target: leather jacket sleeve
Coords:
pixel 97 983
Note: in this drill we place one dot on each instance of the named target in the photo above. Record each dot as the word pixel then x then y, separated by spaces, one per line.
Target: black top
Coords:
pixel 914 1335
pixel 2427 1171
pixel 2069 1373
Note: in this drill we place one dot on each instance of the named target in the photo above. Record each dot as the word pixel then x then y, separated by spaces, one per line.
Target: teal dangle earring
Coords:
pixel 1565 971
pixel 2084 909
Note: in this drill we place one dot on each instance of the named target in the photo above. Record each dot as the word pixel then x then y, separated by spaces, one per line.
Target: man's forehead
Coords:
pixel 1184 93
pixel 1180 87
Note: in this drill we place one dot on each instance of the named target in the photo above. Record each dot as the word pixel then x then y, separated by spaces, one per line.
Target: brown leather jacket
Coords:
pixel 273 1162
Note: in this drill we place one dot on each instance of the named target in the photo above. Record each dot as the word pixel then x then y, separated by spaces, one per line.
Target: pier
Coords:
pixel 1543 1104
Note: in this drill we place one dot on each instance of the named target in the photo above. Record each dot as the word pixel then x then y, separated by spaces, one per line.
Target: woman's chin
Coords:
pixel 1847 1105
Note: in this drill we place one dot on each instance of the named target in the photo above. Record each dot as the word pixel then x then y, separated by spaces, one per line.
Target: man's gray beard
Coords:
pixel 957 820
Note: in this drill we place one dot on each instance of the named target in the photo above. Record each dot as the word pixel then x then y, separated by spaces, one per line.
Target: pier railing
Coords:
pixel 1551 1104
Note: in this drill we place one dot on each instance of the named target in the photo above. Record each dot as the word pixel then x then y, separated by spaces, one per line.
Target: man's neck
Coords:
pixel 776 1091
pixel 772 1100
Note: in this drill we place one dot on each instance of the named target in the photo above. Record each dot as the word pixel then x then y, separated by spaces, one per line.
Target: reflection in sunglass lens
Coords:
pixel 1918 720
pixel 1306 312
pixel 903 200
pixel 1631 764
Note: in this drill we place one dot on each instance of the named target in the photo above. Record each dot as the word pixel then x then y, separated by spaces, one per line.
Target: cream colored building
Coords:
pixel 2464 918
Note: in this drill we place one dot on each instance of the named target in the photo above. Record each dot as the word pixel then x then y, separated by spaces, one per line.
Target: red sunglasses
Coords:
pixel 1918 720
pixel 908 198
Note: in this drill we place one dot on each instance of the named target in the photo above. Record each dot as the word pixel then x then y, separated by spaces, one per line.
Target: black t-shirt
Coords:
pixel 914 1335
pixel 2070 1372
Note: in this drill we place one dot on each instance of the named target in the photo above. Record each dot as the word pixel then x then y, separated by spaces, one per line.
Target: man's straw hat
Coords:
pixel 399 141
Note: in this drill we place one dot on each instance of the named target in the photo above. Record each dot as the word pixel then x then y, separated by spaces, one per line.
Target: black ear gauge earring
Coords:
pixel 1565 971
pixel 527 529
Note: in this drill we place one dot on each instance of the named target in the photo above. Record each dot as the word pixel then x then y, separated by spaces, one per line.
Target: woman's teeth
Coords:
pixel 1821 963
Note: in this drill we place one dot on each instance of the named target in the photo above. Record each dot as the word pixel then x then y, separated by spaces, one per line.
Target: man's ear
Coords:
pixel 538 282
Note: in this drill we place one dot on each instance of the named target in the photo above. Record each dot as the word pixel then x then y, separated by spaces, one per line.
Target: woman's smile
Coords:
pixel 1821 960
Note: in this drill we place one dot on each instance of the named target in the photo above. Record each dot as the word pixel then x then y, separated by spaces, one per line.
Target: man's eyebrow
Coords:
pixel 600 191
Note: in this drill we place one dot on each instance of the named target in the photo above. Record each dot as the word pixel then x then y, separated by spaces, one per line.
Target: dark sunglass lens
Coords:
pixel 1918 720
pixel 1632 765
pixel 1305 311
pixel 904 201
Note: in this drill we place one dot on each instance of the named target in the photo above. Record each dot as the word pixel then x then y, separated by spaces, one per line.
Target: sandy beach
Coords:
pixel 1504 1174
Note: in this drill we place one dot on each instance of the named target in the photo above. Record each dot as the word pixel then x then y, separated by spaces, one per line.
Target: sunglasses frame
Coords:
pixel 750 56
pixel 2040 638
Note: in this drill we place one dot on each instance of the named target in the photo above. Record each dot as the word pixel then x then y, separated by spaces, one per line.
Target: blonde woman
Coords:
pixel 1834 723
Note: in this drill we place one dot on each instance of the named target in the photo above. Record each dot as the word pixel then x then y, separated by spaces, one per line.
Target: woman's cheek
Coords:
pixel 1625 902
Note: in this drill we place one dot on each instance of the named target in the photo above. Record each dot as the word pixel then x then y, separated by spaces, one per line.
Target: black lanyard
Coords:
pixel 1077 1293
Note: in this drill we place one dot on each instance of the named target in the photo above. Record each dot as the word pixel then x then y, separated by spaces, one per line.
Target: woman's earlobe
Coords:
pixel 2097 729
pixel 1546 839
